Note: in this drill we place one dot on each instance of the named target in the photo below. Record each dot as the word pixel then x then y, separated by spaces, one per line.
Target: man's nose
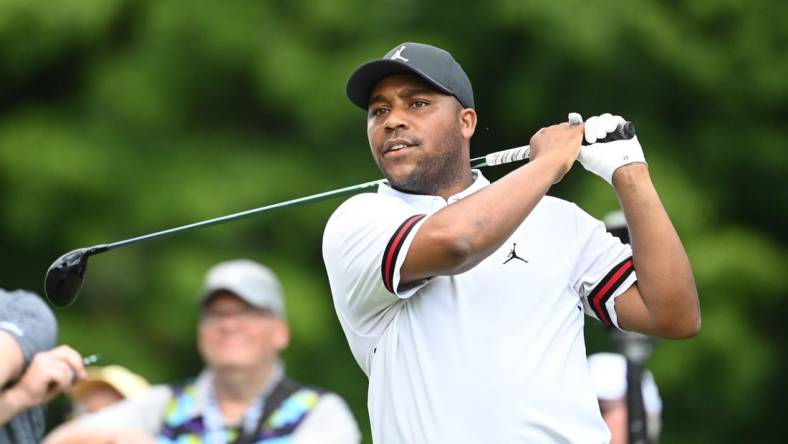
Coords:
pixel 396 119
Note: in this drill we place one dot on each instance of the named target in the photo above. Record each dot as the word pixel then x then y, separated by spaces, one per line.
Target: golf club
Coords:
pixel 65 276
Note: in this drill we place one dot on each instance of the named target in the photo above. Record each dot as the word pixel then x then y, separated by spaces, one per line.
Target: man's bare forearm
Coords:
pixel 665 278
pixel 13 361
pixel 10 405
pixel 461 235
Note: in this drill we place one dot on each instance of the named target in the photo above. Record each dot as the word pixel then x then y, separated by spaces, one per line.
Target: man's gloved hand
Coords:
pixel 604 158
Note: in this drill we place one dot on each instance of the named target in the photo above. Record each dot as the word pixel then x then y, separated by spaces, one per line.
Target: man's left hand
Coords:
pixel 604 158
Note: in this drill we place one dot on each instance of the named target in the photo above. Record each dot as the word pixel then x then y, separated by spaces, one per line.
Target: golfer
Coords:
pixel 462 300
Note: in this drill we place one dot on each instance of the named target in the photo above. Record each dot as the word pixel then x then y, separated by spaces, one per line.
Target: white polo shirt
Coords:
pixel 492 355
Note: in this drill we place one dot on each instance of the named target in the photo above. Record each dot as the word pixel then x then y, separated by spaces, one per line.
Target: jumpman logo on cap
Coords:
pixel 398 55
pixel 513 255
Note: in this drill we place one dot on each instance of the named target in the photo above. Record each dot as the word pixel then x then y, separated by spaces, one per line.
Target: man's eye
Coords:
pixel 377 112
pixel 419 103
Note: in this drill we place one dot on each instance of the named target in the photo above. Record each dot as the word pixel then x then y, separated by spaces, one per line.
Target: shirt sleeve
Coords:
pixel 604 269
pixel 365 243
pixel 330 422
pixel 28 319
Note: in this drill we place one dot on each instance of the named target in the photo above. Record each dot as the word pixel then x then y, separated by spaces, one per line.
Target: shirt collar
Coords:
pixel 433 203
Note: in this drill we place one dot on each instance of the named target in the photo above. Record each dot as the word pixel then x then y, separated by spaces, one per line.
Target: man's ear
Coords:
pixel 281 335
pixel 468 121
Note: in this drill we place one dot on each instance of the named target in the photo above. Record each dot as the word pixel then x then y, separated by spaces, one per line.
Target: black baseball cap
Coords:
pixel 436 66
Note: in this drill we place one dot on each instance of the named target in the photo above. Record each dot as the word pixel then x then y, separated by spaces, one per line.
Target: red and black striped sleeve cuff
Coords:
pixel 606 287
pixel 392 250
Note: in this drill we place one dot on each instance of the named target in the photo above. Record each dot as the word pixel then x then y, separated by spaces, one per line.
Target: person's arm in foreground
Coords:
pixel 664 302
pixel 133 420
pixel 13 361
pixel 10 368
pixel 49 374
pixel 69 434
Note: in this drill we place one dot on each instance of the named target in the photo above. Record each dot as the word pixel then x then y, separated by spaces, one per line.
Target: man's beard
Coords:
pixel 436 173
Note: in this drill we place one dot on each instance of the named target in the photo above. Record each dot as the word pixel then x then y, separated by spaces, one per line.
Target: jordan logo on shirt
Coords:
pixel 513 255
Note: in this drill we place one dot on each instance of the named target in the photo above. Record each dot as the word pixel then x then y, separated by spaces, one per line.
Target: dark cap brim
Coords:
pixel 366 76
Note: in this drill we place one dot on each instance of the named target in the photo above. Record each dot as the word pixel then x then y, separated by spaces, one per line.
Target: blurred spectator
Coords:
pixel 609 375
pixel 31 371
pixel 103 387
pixel 242 395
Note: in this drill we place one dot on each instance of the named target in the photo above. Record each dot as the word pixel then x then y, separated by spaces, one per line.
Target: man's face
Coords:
pixel 418 135
pixel 234 334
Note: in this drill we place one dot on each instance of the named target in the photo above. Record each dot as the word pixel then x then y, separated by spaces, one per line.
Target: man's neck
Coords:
pixel 457 187
pixel 237 389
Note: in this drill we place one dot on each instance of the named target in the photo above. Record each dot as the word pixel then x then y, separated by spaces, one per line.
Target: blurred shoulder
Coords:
pixel 329 421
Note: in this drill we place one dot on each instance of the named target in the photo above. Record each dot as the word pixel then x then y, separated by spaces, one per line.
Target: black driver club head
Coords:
pixel 64 277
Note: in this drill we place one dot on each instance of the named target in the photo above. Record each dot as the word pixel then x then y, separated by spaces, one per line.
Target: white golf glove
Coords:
pixel 603 158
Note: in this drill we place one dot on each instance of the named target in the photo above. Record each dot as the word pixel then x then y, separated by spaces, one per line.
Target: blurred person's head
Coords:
pixel 242 318
pixel 103 387
pixel 609 376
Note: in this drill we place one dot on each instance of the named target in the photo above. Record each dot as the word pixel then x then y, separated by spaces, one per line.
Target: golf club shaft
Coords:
pixel 497 158
pixel 354 189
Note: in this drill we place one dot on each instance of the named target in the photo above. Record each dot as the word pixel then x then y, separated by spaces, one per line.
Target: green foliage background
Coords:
pixel 121 117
